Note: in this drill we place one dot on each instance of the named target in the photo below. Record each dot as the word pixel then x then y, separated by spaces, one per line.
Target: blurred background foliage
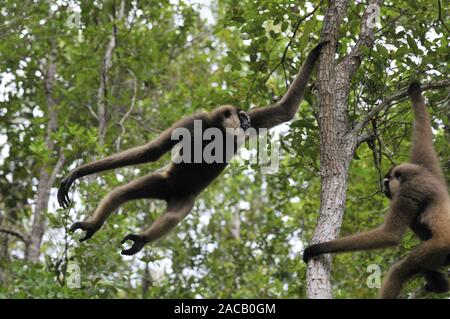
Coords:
pixel 245 235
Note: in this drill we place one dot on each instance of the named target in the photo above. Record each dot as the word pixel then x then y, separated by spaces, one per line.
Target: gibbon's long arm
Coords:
pixel 388 234
pixel 285 109
pixel 422 151
pixel 149 152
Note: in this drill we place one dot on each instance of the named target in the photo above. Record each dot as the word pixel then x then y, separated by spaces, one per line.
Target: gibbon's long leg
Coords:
pixel 285 109
pixel 447 260
pixel 177 209
pixel 137 155
pixel 436 281
pixel 396 277
pixel 149 152
pixel 390 233
pixel 422 150
pixel 150 186
pixel 425 257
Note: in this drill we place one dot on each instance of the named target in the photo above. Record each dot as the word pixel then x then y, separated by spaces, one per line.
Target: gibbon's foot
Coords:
pixel 139 241
pixel 436 289
pixel 311 251
pixel 63 197
pixel 436 282
pixel 89 227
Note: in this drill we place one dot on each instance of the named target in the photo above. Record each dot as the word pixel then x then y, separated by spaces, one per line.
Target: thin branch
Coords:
pixel 376 152
pixel 440 16
pixel 15 233
pixel 394 97
pixel 59 164
pixel 102 91
pixel 366 39
pixel 369 196
pixel 91 110
pixel 296 27
pixel 390 23
pixel 365 137
pixel 127 114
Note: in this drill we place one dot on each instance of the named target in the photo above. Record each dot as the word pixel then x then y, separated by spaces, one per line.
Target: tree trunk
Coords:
pixel 337 140
pixel 47 175
pixel 104 77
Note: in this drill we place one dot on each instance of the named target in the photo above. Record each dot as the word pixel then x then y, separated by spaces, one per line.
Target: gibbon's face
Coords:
pixel 397 176
pixel 391 183
pixel 235 118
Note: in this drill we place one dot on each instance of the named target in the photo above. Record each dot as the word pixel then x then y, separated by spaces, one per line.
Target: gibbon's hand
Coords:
pixel 63 197
pixel 139 241
pixel 89 227
pixel 414 90
pixel 311 251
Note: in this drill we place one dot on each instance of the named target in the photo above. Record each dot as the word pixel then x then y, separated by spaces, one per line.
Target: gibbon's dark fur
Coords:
pixel 179 184
pixel 419 200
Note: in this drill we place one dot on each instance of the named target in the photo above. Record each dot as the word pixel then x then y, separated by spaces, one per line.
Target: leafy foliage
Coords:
pixel 245 235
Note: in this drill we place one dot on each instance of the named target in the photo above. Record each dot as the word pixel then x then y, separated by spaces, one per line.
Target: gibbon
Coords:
pixel 180 183
pixel 419 200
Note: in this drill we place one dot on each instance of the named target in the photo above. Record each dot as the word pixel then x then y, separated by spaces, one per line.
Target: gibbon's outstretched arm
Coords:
pixel 149 152
pixel 422 151
pixel 388 234
pixel 285 109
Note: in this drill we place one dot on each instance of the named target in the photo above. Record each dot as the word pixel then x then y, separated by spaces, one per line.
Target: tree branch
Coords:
pixel 57 167
pixel 15 233
pixel 127 114
pixel 366 38
pixel 394 97
pixel 440 16
pixel 296 27
pixel 365 137
pixel 105 67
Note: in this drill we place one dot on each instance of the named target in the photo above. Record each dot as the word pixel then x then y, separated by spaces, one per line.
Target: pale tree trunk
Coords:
pixel 236 224
pixel 47 175
pixel 337 141
pixel 104 77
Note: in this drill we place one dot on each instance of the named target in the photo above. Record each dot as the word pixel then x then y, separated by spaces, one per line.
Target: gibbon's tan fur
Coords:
pixel 419 200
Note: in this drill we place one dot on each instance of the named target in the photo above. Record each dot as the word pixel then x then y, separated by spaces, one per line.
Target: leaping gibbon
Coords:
pixel 180 183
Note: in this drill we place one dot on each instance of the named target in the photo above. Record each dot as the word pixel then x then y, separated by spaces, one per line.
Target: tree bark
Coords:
pixel 104 77
pixel 337 141
pixel 47 175
pixel 337 137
